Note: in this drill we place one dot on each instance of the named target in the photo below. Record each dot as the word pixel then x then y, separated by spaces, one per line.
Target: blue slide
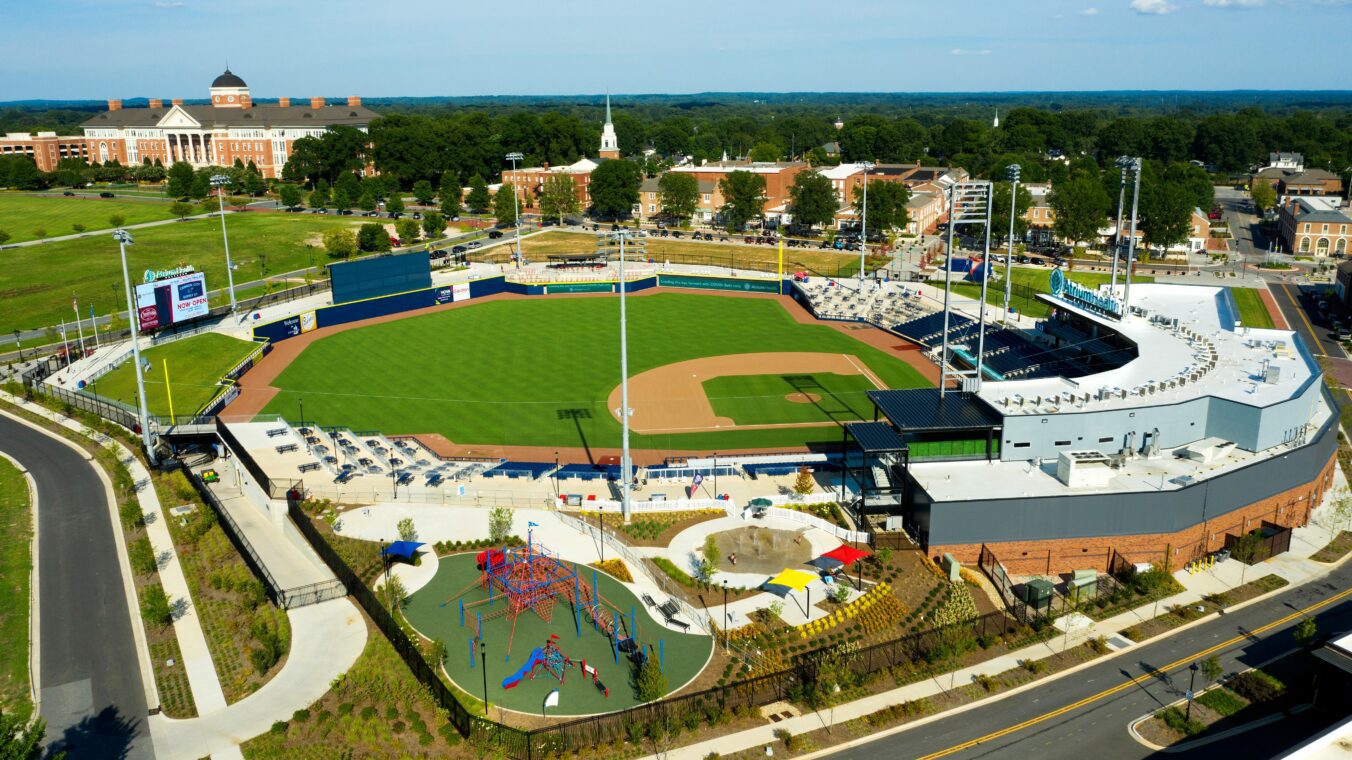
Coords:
pixel 536 655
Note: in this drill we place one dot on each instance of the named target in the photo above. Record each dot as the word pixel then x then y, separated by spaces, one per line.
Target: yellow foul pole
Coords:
pixel 780 287
pixel 168 390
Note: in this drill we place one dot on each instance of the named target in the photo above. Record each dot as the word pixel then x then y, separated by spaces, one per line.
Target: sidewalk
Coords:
pixel 1294 566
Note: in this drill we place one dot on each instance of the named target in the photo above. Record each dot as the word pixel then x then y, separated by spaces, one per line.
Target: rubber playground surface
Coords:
pixel 541 371
pixel 683 654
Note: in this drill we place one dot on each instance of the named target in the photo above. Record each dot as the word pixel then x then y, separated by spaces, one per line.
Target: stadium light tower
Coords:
pixel 219 181
pixel 863 224
pixel 1134 164
pixel 1123 163
pixel 123 239
pixel 1013 172
pixel 622 237
pixel 515 156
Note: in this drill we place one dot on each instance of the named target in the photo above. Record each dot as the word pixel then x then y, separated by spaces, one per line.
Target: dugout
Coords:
pixel 380 276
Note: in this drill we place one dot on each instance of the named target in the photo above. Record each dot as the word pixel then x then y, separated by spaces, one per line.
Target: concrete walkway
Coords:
pixel 109 231
pixel 1295 566
pixel 326 639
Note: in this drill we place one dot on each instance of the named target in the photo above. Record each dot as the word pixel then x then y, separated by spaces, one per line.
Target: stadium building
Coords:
pixel 1162 430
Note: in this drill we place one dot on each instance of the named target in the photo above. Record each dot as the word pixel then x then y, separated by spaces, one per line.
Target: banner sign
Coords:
pixel 717 283
pixel 168 301
pixel 460 291
pixel 1077 293
pixel 154 275
pixel 308 321
pixel 291 326
pixel 442 295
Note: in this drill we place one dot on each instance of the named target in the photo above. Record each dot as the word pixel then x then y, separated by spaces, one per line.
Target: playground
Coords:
pixel 546 620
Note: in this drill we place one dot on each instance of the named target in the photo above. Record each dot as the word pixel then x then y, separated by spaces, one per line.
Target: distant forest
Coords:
pixel 426 138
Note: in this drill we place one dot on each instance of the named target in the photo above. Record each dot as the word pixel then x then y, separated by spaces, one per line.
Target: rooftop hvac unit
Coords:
pixel 1272 375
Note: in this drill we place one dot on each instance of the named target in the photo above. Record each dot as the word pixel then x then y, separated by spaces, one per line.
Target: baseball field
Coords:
pixel 707 372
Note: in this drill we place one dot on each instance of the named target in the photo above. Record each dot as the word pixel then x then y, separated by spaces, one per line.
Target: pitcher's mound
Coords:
pixel 803 398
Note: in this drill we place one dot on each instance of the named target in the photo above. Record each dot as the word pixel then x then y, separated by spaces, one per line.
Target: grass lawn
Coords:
pixel 762 258
pixel 764 399
pixel 1252 312
pixel 1034 278
pixel 37 281
pixel 195 364
pixel 21 215
pixel 684 654
pixel 16 535
pixel 538 372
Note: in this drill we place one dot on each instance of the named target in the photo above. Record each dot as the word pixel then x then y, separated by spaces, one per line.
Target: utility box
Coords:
pixel 1083 585
pixel 952 567
pixel 1037 593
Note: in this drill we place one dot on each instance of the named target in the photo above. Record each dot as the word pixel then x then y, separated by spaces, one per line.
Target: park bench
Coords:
pixel 273 433
pixel 648 600
pixel 308 467
pixel 669 610
pixel 287 448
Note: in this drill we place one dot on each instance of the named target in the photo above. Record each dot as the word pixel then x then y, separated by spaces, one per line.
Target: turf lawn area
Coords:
pixel 763 399
pixel 195 365
pixel 37 281
pixel 21 214
pixel 538 372
pixel 1252 312
pixel 684 654
pixel 757 257
pixel 16 535
pixel 1036 278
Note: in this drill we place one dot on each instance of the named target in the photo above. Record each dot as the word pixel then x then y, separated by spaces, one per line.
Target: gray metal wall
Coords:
pixel 1025 519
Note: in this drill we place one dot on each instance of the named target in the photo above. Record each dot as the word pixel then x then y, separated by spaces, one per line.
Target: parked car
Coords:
pixel 494 234
pixel 105 194
pixel 475 244
pixel 68 194
pixel 459 249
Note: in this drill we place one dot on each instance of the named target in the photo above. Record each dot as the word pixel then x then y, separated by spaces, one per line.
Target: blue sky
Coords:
pixel 173 48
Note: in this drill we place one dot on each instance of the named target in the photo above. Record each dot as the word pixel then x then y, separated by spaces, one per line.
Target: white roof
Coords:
pixel 840 172
pixel 1215 359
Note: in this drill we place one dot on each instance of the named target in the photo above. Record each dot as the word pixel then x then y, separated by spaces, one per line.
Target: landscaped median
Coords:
pixel 1243 701
pixel 1181 614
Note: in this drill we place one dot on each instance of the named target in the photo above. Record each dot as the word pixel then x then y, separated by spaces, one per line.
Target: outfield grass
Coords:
pixel 195 364
pixel 21 215
pixel 1252 311
pixel 684 654
pixel 16 536
pixel 761 258
pixel 764 399
pixel 37 281
pixel 1037 279
pixel 538 372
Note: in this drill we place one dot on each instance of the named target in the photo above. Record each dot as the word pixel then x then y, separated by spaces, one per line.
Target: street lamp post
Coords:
pixel 300 402
pixel 219 181
pixel 1192 679
pixel 124 239
pixel 725 615
pixel 515 156
pixel 715 475
pixel 18 345
pixel 1013 170
pixel 1135 165
pixel 863 223
pixel 483 667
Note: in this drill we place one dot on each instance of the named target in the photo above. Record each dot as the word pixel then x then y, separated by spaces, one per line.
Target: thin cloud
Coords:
pixel 1232 3
pixel 1153 7
pixel 1089 12
pixel 168 4
pixel 964 51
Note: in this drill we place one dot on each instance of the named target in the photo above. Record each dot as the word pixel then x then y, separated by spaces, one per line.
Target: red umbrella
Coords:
pixel 846 555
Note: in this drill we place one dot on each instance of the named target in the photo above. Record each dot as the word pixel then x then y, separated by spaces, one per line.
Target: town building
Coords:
pixel 47 149
pixel 1290 183
pixel 1040 216
pixel 232 126
pixel 707 203
pixel 1314 227
pixel 778 176
pixel 529 181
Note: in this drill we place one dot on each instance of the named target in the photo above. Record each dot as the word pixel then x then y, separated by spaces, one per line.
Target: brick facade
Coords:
pixel 1289 509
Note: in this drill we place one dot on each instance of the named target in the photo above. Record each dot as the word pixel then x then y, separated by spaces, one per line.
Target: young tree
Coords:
pixel 393 593
pixel 372 237
pixel 433 225
pixel 78 227
pixel 680 194
pixel 500 524
pixel 478 199
pixel 614 188
pixel 341 199
pixel 649 683
pixel 710 557
pixel 20 740
pixel 423 192
pixel 505 205
pixel 450 195
pixel 744 198
pixel 367 201
pixel 117 220
pixel 886 205
pixel 1306 632
pixel 1081 206
pixel 1264 196
pixel 407 530
pixel 395 203
pixel 180 209
pixel 200 187
pixel 5 236
pixel 1212 669
pixel 804 484
pixel 318 198
pixel 409 230
pixel 180 177
pixel 289 195
pixel 340 242
pixel 812 200
pixel 155 607
pixel 559 197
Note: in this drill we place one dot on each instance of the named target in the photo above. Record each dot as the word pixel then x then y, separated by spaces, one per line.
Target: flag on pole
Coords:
pixel 530 524
pixel 699 478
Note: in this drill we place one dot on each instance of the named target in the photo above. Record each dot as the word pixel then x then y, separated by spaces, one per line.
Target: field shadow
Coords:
pixel 818 395
pixel 578 414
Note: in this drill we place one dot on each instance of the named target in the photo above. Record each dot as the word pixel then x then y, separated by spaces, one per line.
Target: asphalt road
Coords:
pixel 90 680
pixel 1087 714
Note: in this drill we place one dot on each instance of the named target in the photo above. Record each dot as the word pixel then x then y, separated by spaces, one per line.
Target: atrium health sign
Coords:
pixel 1077 293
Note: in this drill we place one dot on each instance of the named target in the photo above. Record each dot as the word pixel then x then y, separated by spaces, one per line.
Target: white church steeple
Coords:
pixel 610 144
pixel 996 124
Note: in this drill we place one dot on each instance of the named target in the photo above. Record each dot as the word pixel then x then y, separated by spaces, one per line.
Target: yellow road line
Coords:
pixel 1316 348
pixel 1135 681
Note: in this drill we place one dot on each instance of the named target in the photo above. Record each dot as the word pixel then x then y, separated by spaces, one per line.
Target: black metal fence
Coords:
pixel 1272 539
pixel 278 489
pixel 1035 612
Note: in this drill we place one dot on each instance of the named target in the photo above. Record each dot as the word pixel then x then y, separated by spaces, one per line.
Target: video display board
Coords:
pixel 169 297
